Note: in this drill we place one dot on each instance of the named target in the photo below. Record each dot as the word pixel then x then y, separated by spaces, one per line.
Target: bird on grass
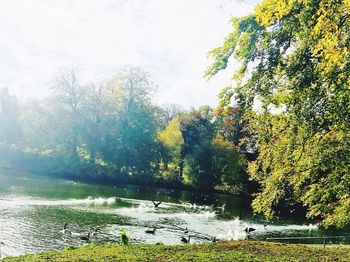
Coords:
pixel 156 204
pixel 151 231
pixel 186 240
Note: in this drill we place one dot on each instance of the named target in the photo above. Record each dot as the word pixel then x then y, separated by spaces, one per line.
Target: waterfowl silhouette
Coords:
pixel 156 204
pixel 186 231
pixel 65 230
pixel 249 229
pixel 151 231
pixel 85 238
pixel 96 231
pixel 186 240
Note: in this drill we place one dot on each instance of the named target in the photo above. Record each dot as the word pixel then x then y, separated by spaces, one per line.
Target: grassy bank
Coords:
pixel 229 251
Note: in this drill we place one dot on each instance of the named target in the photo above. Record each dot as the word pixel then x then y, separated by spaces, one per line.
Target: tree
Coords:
pixel 295 56
pixel 197 130
pixel 171 142
pixel 131 142
pixel 228 165
pixel 10 129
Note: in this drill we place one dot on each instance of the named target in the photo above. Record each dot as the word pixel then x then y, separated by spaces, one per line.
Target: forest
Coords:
pixel 111 132
pixel 290 153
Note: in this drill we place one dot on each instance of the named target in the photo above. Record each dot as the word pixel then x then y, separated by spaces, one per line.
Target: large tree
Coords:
pixel 295 61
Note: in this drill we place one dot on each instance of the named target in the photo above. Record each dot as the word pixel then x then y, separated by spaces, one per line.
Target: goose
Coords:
pixel 151 231
pixel 64 230
pixel 214 240
pixel 186 240
pixel 97 229
pixel 186 231
pixel 156 204
pixel 249 229
pixel 85 238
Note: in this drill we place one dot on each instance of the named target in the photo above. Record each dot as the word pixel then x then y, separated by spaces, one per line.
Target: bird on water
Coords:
pixel 85 238
pixel 249 229
pixel 151 231
pixel 186 240
pixel 156 204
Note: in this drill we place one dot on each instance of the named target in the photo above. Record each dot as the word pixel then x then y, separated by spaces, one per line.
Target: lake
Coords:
pixel 33 211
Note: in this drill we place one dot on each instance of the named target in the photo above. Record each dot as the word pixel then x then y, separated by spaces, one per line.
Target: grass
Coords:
pixel 225 251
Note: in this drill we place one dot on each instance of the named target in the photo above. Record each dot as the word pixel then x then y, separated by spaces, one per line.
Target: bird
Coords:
pixel 214 240
pixel 249 229
pixel 186 230
pixel 64 230
pixel 151 231
pixel 97 229
pixel 222 207
pixel 85 238
pixel 186 240
pixel 156 204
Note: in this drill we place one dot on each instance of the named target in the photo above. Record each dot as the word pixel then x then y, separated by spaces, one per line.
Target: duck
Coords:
pixel 85 238
pixel 151 231
pixel 186 240
pixel 249 229
pixel 156 204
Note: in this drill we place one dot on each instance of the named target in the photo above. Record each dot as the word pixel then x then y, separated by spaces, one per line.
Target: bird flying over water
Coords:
pixel 156 204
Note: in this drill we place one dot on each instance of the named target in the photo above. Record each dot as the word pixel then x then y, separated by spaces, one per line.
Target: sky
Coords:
pixel 168 38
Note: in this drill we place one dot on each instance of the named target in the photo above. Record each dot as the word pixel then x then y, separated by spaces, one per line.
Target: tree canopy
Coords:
pixel 294 58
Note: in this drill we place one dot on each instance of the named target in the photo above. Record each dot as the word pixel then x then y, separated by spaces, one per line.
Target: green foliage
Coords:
pixel 110 131
pixel 294 57
pixel 228 165
pixel 194 154
pixel 171 142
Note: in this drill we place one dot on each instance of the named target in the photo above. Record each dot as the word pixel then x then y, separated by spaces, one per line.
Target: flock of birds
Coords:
pixel 186 238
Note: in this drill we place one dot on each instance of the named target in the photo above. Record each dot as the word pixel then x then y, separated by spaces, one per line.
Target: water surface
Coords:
pixel 34 209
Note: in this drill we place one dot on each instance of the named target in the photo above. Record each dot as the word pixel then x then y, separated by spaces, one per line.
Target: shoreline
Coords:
pixel 222 251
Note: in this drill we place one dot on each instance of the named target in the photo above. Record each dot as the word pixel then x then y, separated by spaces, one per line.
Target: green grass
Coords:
pixel 227 251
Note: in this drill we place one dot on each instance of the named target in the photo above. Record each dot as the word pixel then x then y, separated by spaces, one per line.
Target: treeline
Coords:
pixel 110 131
pixel 295 64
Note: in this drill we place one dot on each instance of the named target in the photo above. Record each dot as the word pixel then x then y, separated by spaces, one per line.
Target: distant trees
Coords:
pixel 194 152
pixel 110 130
pixel 10 131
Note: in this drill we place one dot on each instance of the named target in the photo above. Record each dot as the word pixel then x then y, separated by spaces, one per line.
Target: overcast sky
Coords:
pixel 168 38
